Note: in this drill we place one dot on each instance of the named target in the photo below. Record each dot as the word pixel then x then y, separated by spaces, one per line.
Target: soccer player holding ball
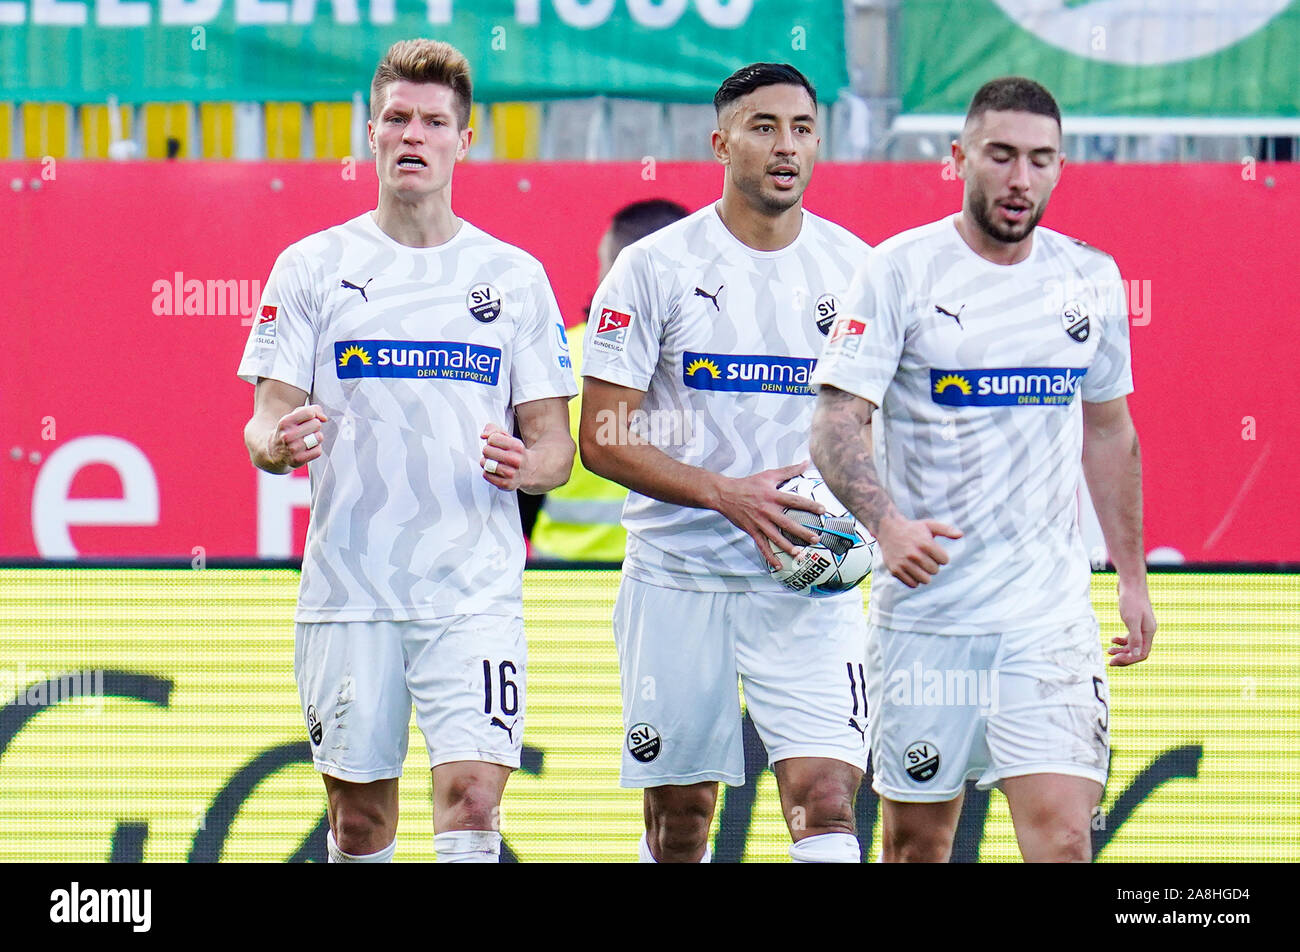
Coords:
pixel 995 357
pixel 697 358
pixel 393 355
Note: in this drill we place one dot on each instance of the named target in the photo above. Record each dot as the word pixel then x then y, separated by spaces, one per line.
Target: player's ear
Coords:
pixel 370 136
pixel 466 137
pixel 721 150
pixel 958 158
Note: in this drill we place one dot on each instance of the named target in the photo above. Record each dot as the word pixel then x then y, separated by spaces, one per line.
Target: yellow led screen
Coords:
pixel 151 715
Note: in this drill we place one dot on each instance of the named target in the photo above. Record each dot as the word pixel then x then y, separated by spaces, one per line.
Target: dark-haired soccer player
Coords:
pixel 420 340
pixel 716 321
pixel 997 356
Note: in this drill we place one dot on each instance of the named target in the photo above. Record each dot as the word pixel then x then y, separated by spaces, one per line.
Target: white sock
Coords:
pixel 336 855
pixel 468 846
pixel 645 856
pixel 827 848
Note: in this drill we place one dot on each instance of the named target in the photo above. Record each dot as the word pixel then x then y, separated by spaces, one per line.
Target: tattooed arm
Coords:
pixel 841 450
pixel 1112 466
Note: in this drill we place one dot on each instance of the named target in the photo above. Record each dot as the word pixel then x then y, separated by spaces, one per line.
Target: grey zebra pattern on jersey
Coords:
pixel 734 360
pixel 402 524
pixel 980 422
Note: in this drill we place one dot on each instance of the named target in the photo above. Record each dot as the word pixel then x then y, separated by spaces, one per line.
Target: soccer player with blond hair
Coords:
pixel 394 355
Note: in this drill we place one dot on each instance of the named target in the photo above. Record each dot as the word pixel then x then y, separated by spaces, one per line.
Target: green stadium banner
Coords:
pixel 1214 58
pixel 257 50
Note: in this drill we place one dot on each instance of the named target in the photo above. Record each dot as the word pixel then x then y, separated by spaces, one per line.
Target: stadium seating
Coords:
pixel 227 130
pixel 217 130
pixel 331 126
pixel 166 123
pixel 97 131
pixel 46 129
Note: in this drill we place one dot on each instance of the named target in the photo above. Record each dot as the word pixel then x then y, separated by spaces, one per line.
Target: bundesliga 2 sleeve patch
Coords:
pixel 846 336
pixel 266 325
pixel 612 329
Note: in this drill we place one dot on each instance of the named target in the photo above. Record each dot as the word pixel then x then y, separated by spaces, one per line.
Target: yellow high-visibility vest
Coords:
pixel 580 521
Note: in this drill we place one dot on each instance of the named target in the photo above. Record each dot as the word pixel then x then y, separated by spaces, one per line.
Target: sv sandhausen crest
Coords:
pixel 1074 318
pixel 826 310
pixel 644 742
pixel 484 302
pixel 921 761
pixel 314 727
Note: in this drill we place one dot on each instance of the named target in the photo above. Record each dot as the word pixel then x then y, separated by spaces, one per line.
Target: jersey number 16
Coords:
pixel 509 691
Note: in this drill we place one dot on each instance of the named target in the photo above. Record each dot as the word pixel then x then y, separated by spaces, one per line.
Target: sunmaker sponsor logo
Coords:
pixel 1012 386
pixel 437 359
pixel 748 373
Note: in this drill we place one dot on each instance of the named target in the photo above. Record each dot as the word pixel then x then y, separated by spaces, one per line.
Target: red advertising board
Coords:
pixel 128 288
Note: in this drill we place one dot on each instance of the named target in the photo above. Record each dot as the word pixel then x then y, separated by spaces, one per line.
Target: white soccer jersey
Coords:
pixel 979 371
pixel 410 352
pixel 722 339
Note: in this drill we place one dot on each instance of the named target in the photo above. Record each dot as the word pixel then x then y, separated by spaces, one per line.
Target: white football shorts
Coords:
pixel 947 708
pixel 357 681
pixel 800 661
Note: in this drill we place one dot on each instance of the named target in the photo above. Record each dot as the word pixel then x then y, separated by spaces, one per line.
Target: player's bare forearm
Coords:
pixel 841 451
pixel 540 458
pixel 751 503
pixel 280 428
pixel 1112 466
pixel 552 459
pixel 257 435
pixel 609 450
pixel 648 470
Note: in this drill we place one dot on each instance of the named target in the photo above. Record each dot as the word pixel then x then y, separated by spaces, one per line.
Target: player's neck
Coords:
pixel 423 224
pixel 990 249
pixel 761 232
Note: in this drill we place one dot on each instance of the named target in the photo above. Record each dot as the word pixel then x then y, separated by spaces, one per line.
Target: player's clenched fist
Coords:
pixel 503 458
pixel 296 439
pixel 911 550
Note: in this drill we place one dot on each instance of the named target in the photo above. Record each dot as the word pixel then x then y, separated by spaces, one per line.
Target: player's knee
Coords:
pixel 361 828
pixel 1053 832
pixel 689 823
pixel 473 802
pixel 825 804
pixel 1063 842
pixel 916 845
pixel 678 819
pixel 918 851
pixel 1075 846
pixel 679 837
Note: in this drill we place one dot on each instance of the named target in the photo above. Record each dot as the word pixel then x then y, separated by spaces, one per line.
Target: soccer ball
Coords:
pixel 840 560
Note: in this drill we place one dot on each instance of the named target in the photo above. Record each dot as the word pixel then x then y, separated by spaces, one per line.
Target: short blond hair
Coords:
pixel 424 61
